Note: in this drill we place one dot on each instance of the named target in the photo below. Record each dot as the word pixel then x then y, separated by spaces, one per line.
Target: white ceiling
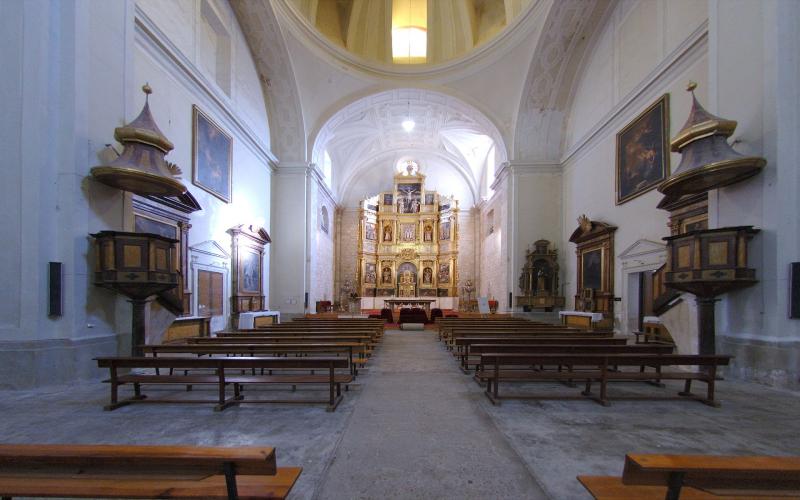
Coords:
pixel 451 140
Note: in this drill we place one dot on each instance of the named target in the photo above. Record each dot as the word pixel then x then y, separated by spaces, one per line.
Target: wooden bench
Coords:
pixel 601 368
pixel 111 471
pixel 264 349
pixel 699 476
pixel 577 348
pixel 463 344
pixel 226 371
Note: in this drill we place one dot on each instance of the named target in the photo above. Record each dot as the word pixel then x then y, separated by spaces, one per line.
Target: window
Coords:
pixel 409 31
pixel 490 222
pixel 326 168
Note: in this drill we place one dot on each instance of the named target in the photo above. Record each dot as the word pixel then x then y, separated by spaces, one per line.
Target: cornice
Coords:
pixel 535 167
pixel 157 44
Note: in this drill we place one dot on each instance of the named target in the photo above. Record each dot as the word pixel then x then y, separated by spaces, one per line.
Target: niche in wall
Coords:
pixel 214 46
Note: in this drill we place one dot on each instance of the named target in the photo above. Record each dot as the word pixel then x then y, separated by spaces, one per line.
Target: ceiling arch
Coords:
pixel 446 128
pixel 271 56
pixel 551 74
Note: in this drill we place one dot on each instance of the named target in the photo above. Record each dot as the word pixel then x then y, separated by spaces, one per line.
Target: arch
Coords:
pixel 368 128
pixel 560 47
pixel 271 56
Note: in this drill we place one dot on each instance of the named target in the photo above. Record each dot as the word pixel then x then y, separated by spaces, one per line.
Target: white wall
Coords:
pixel 744 57
pixel 75 70
pixel 646 49
pixel 493 262
pixel 171 53
pixel 321 254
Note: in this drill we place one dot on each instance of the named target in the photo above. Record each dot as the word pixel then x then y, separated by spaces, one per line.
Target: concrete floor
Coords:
pixel 416 427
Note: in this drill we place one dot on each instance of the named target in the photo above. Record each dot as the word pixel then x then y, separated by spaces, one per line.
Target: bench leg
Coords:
pixel 604 385
pixel 687 388
pixel 230 480
pixel 588 390
pixel 712 379
pixel 674 485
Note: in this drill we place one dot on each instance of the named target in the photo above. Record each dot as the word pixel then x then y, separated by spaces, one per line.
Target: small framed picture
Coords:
pixel 211 156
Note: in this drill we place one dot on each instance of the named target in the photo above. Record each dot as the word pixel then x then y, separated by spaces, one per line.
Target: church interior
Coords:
pixel 385 208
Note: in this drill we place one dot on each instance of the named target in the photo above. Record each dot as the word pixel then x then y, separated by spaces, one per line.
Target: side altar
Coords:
pixel 408 242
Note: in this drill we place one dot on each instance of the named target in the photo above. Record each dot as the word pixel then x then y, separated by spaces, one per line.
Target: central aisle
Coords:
pixel 418 431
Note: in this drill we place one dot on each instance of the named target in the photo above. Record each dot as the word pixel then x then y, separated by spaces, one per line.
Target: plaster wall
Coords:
pixel 754 64
pixel 492 281
pixel 169 54
pixel 321 255
pixel 621 82
pixel 467 270
pixel 537 209
pixel 76 70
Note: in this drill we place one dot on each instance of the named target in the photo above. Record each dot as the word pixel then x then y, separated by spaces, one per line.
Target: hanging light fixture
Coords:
pixel 408 124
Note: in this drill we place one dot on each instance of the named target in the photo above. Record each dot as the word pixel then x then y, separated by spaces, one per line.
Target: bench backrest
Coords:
pixel 223 363
pixel 570 348
pixel 605 359
pixel 251 460
pixel 715 472
pixel 535 339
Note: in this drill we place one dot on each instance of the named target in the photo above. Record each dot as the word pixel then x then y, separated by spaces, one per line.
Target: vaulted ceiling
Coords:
pixel 450 134
pixel 511 92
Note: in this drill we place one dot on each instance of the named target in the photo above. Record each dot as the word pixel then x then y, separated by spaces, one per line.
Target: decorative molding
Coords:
pixel 268 49
pixel 212 249
pixel 158 45
pixel 534 168
pixel 686 54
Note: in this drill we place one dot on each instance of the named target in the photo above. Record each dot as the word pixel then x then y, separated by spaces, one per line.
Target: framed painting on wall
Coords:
pixel 643 152
pixel 211 156
pixel 250 271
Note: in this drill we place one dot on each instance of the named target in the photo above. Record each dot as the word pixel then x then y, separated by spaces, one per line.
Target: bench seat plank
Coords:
pixel 211 487
pixel 612 488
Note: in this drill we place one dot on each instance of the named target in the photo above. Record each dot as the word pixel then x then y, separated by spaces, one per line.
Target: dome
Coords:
pixel 407 33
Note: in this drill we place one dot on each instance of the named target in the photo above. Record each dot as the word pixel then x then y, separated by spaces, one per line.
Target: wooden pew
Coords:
pixel 227 371
pixel 601 368
pixel 576 348
pixel 699 476
pixel 124 471
pixel 264 349
pixel 463 344
pixel 555 332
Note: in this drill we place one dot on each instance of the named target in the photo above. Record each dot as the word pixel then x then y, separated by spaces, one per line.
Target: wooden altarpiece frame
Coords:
pixel 595 266
pixel 247 260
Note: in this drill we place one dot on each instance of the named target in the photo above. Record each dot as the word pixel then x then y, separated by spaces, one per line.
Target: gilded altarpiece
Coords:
pixel 408 241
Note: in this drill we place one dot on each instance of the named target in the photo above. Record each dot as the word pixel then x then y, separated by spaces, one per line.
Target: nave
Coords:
pixel 415 426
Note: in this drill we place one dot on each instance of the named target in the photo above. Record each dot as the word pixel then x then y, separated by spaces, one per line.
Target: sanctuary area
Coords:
pixel 400 249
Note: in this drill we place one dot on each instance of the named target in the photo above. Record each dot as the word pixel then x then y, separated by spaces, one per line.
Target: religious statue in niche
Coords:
pixel 539 279
pixel 444 231
pixel 370 231
pixel 386 275
pixel 427 276
pixel 408 198
pixel 369 274
pixel 444 273
pixel 409 232
pixel 429 199
pixel 387 233
pixel 428 235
